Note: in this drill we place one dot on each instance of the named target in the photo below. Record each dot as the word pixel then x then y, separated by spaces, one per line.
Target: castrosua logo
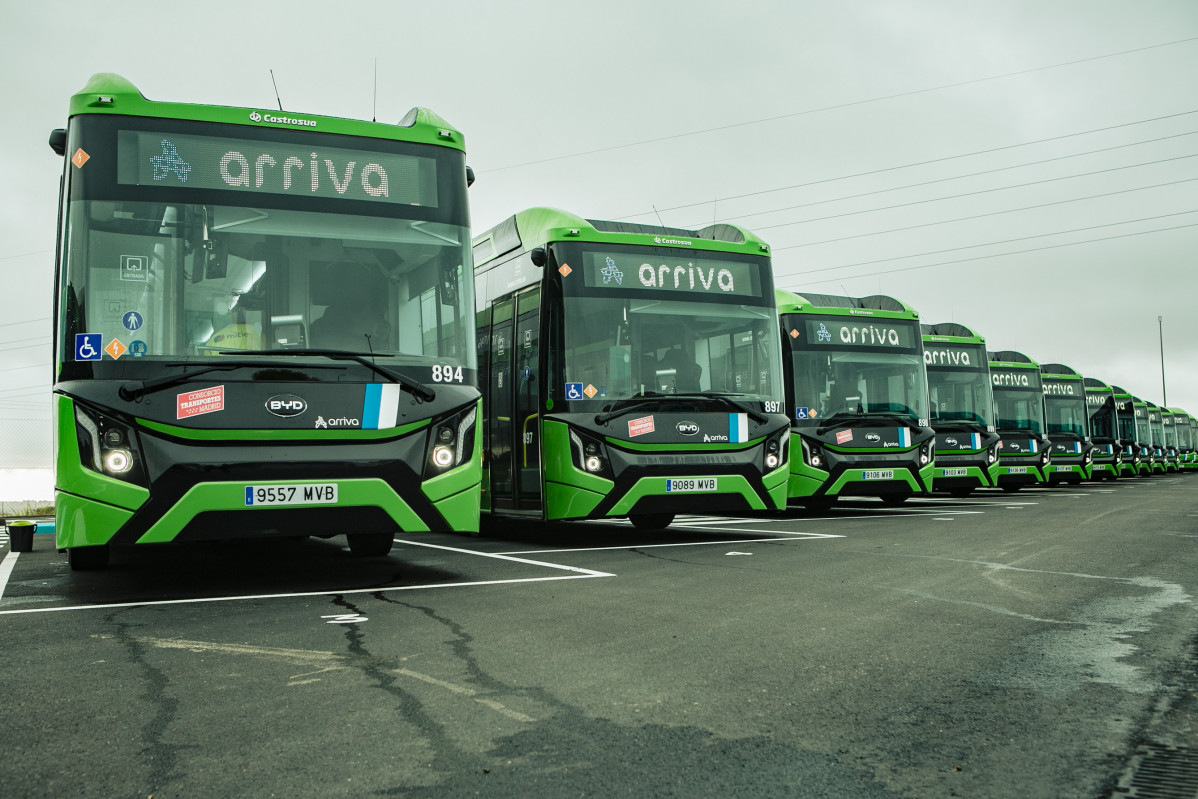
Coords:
pixel 303 123
pixel 672 242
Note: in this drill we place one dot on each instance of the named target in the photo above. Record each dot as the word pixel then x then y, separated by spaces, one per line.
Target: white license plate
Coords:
pixel 1064 468
pixel 1016 470
pixel 692 484
pixel 954 472
pixel 302 494
pixel 878 474
pixel 1100 467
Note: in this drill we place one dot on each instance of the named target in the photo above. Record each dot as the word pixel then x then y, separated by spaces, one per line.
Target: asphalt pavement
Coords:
pixel 1006 645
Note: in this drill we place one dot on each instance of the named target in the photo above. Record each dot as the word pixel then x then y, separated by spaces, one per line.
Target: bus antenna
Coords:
pixel 654 207
pixel 374 108
pixel 272 81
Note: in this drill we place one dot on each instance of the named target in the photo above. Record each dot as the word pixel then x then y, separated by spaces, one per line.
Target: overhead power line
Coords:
pixel 1004 254
pixel 982 216
pixel 954 196
pixel 995 243
pixel 838 106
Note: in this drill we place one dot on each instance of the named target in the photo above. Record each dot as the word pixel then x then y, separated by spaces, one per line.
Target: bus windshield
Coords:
pixel 178 259
pixel 960 393
pixel 634 333
pixel 1065 407
pixel 1102 415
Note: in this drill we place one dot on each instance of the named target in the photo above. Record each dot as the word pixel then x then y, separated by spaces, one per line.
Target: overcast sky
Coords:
pixel 1029 169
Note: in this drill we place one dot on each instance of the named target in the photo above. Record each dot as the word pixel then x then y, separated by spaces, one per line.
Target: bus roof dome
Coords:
pixel 874 302
pixel 1009 356
pixel 947 329
pixel 1058 369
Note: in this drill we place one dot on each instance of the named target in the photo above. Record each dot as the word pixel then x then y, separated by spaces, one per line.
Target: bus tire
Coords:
pixel 1012 488
pixel 87 558
pixel 960 492
pixel 651 521
pixel 821 503
pixel 370 545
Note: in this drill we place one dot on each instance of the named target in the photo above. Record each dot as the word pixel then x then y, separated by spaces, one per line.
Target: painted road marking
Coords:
pixel 6 570
pixel 576 574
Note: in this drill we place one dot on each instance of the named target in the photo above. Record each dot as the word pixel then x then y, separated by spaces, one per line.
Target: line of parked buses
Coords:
pixel 279 325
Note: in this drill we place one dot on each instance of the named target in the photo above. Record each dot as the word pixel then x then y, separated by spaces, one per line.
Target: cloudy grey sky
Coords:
pixel 1027 168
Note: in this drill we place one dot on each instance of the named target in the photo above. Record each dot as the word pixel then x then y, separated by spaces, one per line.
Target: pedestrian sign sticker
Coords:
pixel 573 391
pixel 87 347
pixel 116 349
pixel 132 320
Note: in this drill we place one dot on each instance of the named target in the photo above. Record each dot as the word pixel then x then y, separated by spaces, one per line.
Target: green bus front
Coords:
pixel 858 390
pixel 962 409
pixel 1067 422
pixel 1024 453
pixel 1107 450
pixel 1186 443
pixel 264 327
pixel 628 371
pixel 1172 451
pixel 1156 431
pixel 1148 455
pixel 1135 454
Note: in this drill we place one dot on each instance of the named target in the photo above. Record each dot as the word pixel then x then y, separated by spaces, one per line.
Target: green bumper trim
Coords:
pixel 656 486
pixel 82 522
pixel 197 434
pixel 231 496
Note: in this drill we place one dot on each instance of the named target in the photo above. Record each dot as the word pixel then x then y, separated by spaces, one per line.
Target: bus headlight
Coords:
pixel 813 455
pixel 776 450
pixel 925 452
pixel 451 442
pixel 107 446
pixel 589 454
pixel 1044 458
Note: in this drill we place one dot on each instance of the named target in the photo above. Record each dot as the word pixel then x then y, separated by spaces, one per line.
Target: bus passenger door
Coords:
pixel 499 408
pixel 527 454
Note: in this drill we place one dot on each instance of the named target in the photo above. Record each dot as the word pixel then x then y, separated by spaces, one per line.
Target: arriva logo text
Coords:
pixel 684 276
pixel 325 424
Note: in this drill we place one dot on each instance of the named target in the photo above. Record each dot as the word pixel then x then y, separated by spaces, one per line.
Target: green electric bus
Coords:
pixel 1187 439
pixel 1024 454
pixel 1067 424
pixel 1144 437
pixel 1172 455
pixel 264 326
pixel 857 387
pixel 1133 425
pixel 627 370
pixel 962 408
pixel 1104 430
pixel 1156 428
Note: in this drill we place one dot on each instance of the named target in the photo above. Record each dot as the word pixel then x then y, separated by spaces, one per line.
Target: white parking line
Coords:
pixel 6 570
pixel 577 574
pixel 779 538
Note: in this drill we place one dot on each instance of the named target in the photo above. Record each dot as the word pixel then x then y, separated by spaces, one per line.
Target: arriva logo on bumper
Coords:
pixel 339 422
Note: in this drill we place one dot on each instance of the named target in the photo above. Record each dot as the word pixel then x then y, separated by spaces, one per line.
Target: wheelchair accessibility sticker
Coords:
pixel 573 391
pixel 87 347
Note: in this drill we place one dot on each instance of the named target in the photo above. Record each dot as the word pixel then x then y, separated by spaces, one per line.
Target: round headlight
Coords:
pixel 815 461
pixel 442 456
pixel 771 460
pixel 593 464
pixel 118 460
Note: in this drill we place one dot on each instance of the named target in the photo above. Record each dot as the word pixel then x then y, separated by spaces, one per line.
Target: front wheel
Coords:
pixel 370 545
pixel 87 558
pixel 651 521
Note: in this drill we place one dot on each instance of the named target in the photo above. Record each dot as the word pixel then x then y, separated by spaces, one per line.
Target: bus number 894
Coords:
pixel 447 374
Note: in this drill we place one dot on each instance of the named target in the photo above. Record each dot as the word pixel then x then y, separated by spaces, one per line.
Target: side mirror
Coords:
pixel 539 258
pixel 58 141
pixel 469 176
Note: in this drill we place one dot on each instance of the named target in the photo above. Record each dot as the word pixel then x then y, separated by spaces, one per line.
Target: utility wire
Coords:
pixel 921 163
pixel 966 175
pixel 851 104
pixel 982 216
pixel 995 243
pixel 1003 254
pixel 956 196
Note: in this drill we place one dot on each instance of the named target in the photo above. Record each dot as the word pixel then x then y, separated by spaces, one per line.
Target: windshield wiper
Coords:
pixel 623 405
pixel 839 420
pixel 728 400
pixel 132 392
pixel 420 390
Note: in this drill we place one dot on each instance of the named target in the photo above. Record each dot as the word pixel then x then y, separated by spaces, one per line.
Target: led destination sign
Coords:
pixel 958 357
pixel 1015 378
pixel 860 333
pixel 1063 389
pixel 146 158
pixel 653 271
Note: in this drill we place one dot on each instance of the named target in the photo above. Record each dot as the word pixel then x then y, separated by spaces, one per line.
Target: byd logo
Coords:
pixel 687 428
pixel 286 405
